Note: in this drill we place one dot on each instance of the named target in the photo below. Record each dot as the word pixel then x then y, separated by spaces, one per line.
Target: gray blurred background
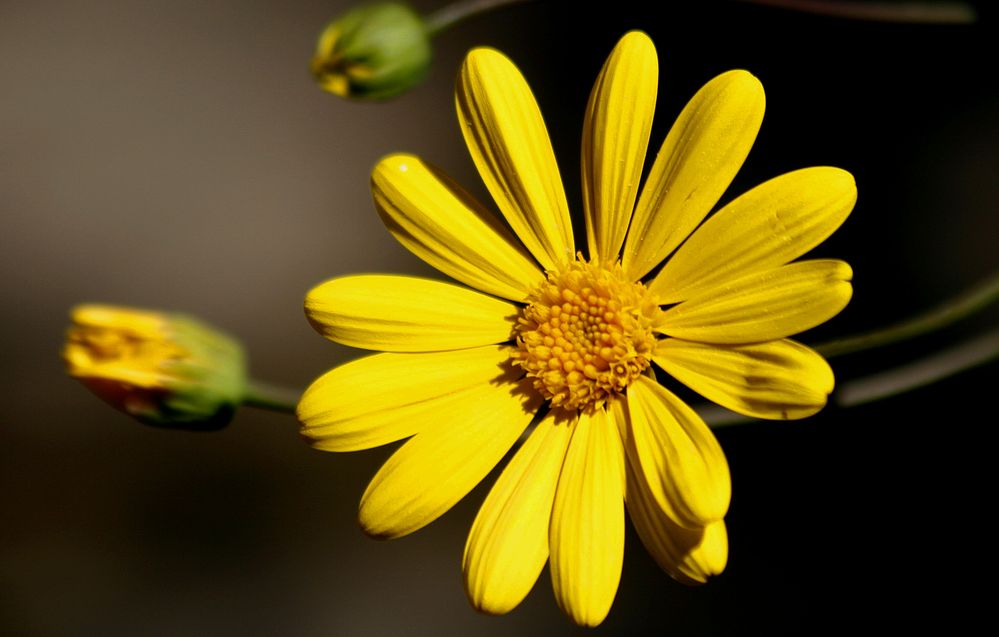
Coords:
pixel 177 155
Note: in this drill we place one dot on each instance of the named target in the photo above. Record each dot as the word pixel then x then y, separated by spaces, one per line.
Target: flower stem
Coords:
pixel 971 353
pixel 446 17
pixel 267 396
pixel 901 12
pixel 965 304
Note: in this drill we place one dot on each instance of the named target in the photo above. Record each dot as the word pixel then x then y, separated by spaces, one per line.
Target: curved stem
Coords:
pixel 971 353
pixel 967 303
pixel 267 396
pixel 901 12
pixel 446 17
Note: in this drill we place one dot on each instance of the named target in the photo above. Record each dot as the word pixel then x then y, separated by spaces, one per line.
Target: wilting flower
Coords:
pixel 373 52
pixel 163 369
pixel 570 342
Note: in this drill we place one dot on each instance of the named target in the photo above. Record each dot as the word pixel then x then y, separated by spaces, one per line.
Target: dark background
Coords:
pixel 177 155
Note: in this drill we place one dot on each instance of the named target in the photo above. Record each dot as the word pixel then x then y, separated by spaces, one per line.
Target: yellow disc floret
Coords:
pixel 586 334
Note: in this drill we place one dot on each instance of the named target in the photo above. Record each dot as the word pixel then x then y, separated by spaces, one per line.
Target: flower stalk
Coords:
pixel 271 397
pixel 955 309
pixel 449 15
pixel 890 12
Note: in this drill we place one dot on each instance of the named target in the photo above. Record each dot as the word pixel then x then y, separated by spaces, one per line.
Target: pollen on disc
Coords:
pixel 586 334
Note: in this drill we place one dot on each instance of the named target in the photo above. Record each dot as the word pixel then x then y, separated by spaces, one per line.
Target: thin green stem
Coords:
pixel 969 302
pixel 446 17
pixel 902 12
pixel 971 353
pixel 267 396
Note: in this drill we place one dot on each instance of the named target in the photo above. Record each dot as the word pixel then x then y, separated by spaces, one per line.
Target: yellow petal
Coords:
pixel 690 556
pixel 776 379
pixel 442 463
pixel 615 139
pixel 772 224
pixel 587 525
pixel 702 153
pixel 508 545
pixel 763 306
pixel 677 456
pixel 386 397
pixel 443 225
pixel 142 324
pixel 509 143
pixel 406 314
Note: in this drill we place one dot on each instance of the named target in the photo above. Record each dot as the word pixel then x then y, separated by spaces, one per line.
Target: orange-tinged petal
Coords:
pixel 441 464
pixel 763 306
pixel 615 139
pixel 587 525
pixel 677 456
pixel 701 155
pixel 775 379
pixel 772 224
pixel 508 545
pixel 443 225
pixel 509 143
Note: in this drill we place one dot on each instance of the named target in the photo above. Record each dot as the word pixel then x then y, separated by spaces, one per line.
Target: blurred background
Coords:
pixel 178 155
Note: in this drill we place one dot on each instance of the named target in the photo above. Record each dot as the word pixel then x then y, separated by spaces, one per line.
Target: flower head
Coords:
pixel 372 52
pixel 573 343
pixel 163 369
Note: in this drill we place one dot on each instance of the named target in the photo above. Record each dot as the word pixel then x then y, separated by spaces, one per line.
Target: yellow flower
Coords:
pixel 163 369
pixel 569 343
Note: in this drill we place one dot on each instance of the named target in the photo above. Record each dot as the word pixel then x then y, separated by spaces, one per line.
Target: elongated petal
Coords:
pixel 700 157
pixel 772 224
pixel 780 380
pixel 615 139
pixel 387 397
pixel 763 306
pixel 509 143
pixel 439 465
pixel 443 225
pixel 690 556
pixel 677 456
pixel 407 314
pixel 587 525
pixel 508 545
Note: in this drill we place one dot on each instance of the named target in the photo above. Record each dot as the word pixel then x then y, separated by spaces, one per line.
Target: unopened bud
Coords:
pixel 163 369
pixel 373 52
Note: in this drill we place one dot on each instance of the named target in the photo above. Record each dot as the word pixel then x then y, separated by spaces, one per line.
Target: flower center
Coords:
pixel 586 334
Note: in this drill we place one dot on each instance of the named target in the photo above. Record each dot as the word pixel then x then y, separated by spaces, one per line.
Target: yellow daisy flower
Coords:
pixel 549 336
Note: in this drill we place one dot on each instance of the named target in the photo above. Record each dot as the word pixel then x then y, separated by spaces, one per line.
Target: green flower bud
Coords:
pixel 373 52
pixel 166 370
